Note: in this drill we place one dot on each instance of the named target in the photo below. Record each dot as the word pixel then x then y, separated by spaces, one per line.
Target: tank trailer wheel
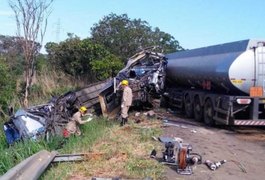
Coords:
pixel 208 113
pixel 188 107
pixel 198 109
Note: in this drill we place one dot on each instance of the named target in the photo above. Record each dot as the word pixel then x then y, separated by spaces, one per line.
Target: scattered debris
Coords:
pixel 155 138
pixel 75 157
pixel 150 113
pixel 171 111
pixel 176 125
pixel 137 114
pixel 193 131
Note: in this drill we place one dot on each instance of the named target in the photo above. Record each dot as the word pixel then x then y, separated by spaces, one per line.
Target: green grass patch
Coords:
pixel 91 132
pixel 141 168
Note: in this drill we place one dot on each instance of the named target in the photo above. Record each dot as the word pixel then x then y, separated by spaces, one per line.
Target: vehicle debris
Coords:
pixel 137 114
pixel 75 157
pixel 193 131
pixel 174 124
pixel 50 119
pixel 145 72
pixel 150 113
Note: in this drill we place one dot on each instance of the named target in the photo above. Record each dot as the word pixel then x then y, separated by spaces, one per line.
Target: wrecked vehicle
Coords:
pixel 50 119
pixel 36 121
pixel 145 72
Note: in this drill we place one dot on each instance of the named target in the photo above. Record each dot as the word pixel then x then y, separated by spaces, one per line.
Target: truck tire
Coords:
pixel 209 113
pixel 198 109
pixel 188 106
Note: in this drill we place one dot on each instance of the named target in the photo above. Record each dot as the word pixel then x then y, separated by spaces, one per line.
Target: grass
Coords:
pixel 113 151
pixel 19 151
pixel 119 152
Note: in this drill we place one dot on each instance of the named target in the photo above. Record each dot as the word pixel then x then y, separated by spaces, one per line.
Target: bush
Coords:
pixel 7 86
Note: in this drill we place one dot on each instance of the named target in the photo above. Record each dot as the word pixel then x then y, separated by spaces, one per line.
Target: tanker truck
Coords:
pixel 220 84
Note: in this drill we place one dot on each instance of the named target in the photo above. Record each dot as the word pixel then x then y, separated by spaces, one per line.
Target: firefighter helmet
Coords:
pixel 83 109
pixel 124 82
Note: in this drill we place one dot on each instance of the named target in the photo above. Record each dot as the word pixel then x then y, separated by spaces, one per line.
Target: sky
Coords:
pixel 193 23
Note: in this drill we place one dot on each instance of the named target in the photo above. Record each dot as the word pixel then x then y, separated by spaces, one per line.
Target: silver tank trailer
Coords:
pixel 232 68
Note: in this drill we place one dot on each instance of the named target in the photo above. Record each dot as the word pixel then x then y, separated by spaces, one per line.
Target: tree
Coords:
pixel 166 43
pixel 11 50
pixel 83 58
pixel 123 36
pixel 106 67
pixel 7 87
pixel 31 20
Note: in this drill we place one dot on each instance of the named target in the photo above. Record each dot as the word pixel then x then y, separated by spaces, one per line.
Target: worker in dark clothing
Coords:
pixel 126 101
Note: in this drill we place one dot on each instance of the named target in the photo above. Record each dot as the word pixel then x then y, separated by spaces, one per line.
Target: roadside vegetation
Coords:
pixel 118 152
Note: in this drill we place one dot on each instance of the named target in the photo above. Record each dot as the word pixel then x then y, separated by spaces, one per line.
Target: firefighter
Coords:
pixel 72 126
pixel 126 101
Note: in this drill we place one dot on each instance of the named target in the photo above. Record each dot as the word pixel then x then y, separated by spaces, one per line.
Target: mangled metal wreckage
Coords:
pixel 145 72
pixel 37 121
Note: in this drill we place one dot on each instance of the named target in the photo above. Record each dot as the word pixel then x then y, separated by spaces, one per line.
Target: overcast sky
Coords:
pixel 194 23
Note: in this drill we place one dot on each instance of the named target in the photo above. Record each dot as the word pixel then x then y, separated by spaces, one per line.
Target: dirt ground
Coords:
pixel 242 147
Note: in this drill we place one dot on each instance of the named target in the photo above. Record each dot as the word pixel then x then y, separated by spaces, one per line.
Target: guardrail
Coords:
pixel 32 167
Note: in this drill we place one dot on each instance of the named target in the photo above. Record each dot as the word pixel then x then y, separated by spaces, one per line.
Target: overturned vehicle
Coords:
pixel 145 72
pixel 38 121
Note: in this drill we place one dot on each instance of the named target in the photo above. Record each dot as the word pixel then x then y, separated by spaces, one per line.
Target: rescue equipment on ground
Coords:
pixel 179 154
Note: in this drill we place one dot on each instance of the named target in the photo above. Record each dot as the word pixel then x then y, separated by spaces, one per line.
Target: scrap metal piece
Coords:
pixel 68 157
